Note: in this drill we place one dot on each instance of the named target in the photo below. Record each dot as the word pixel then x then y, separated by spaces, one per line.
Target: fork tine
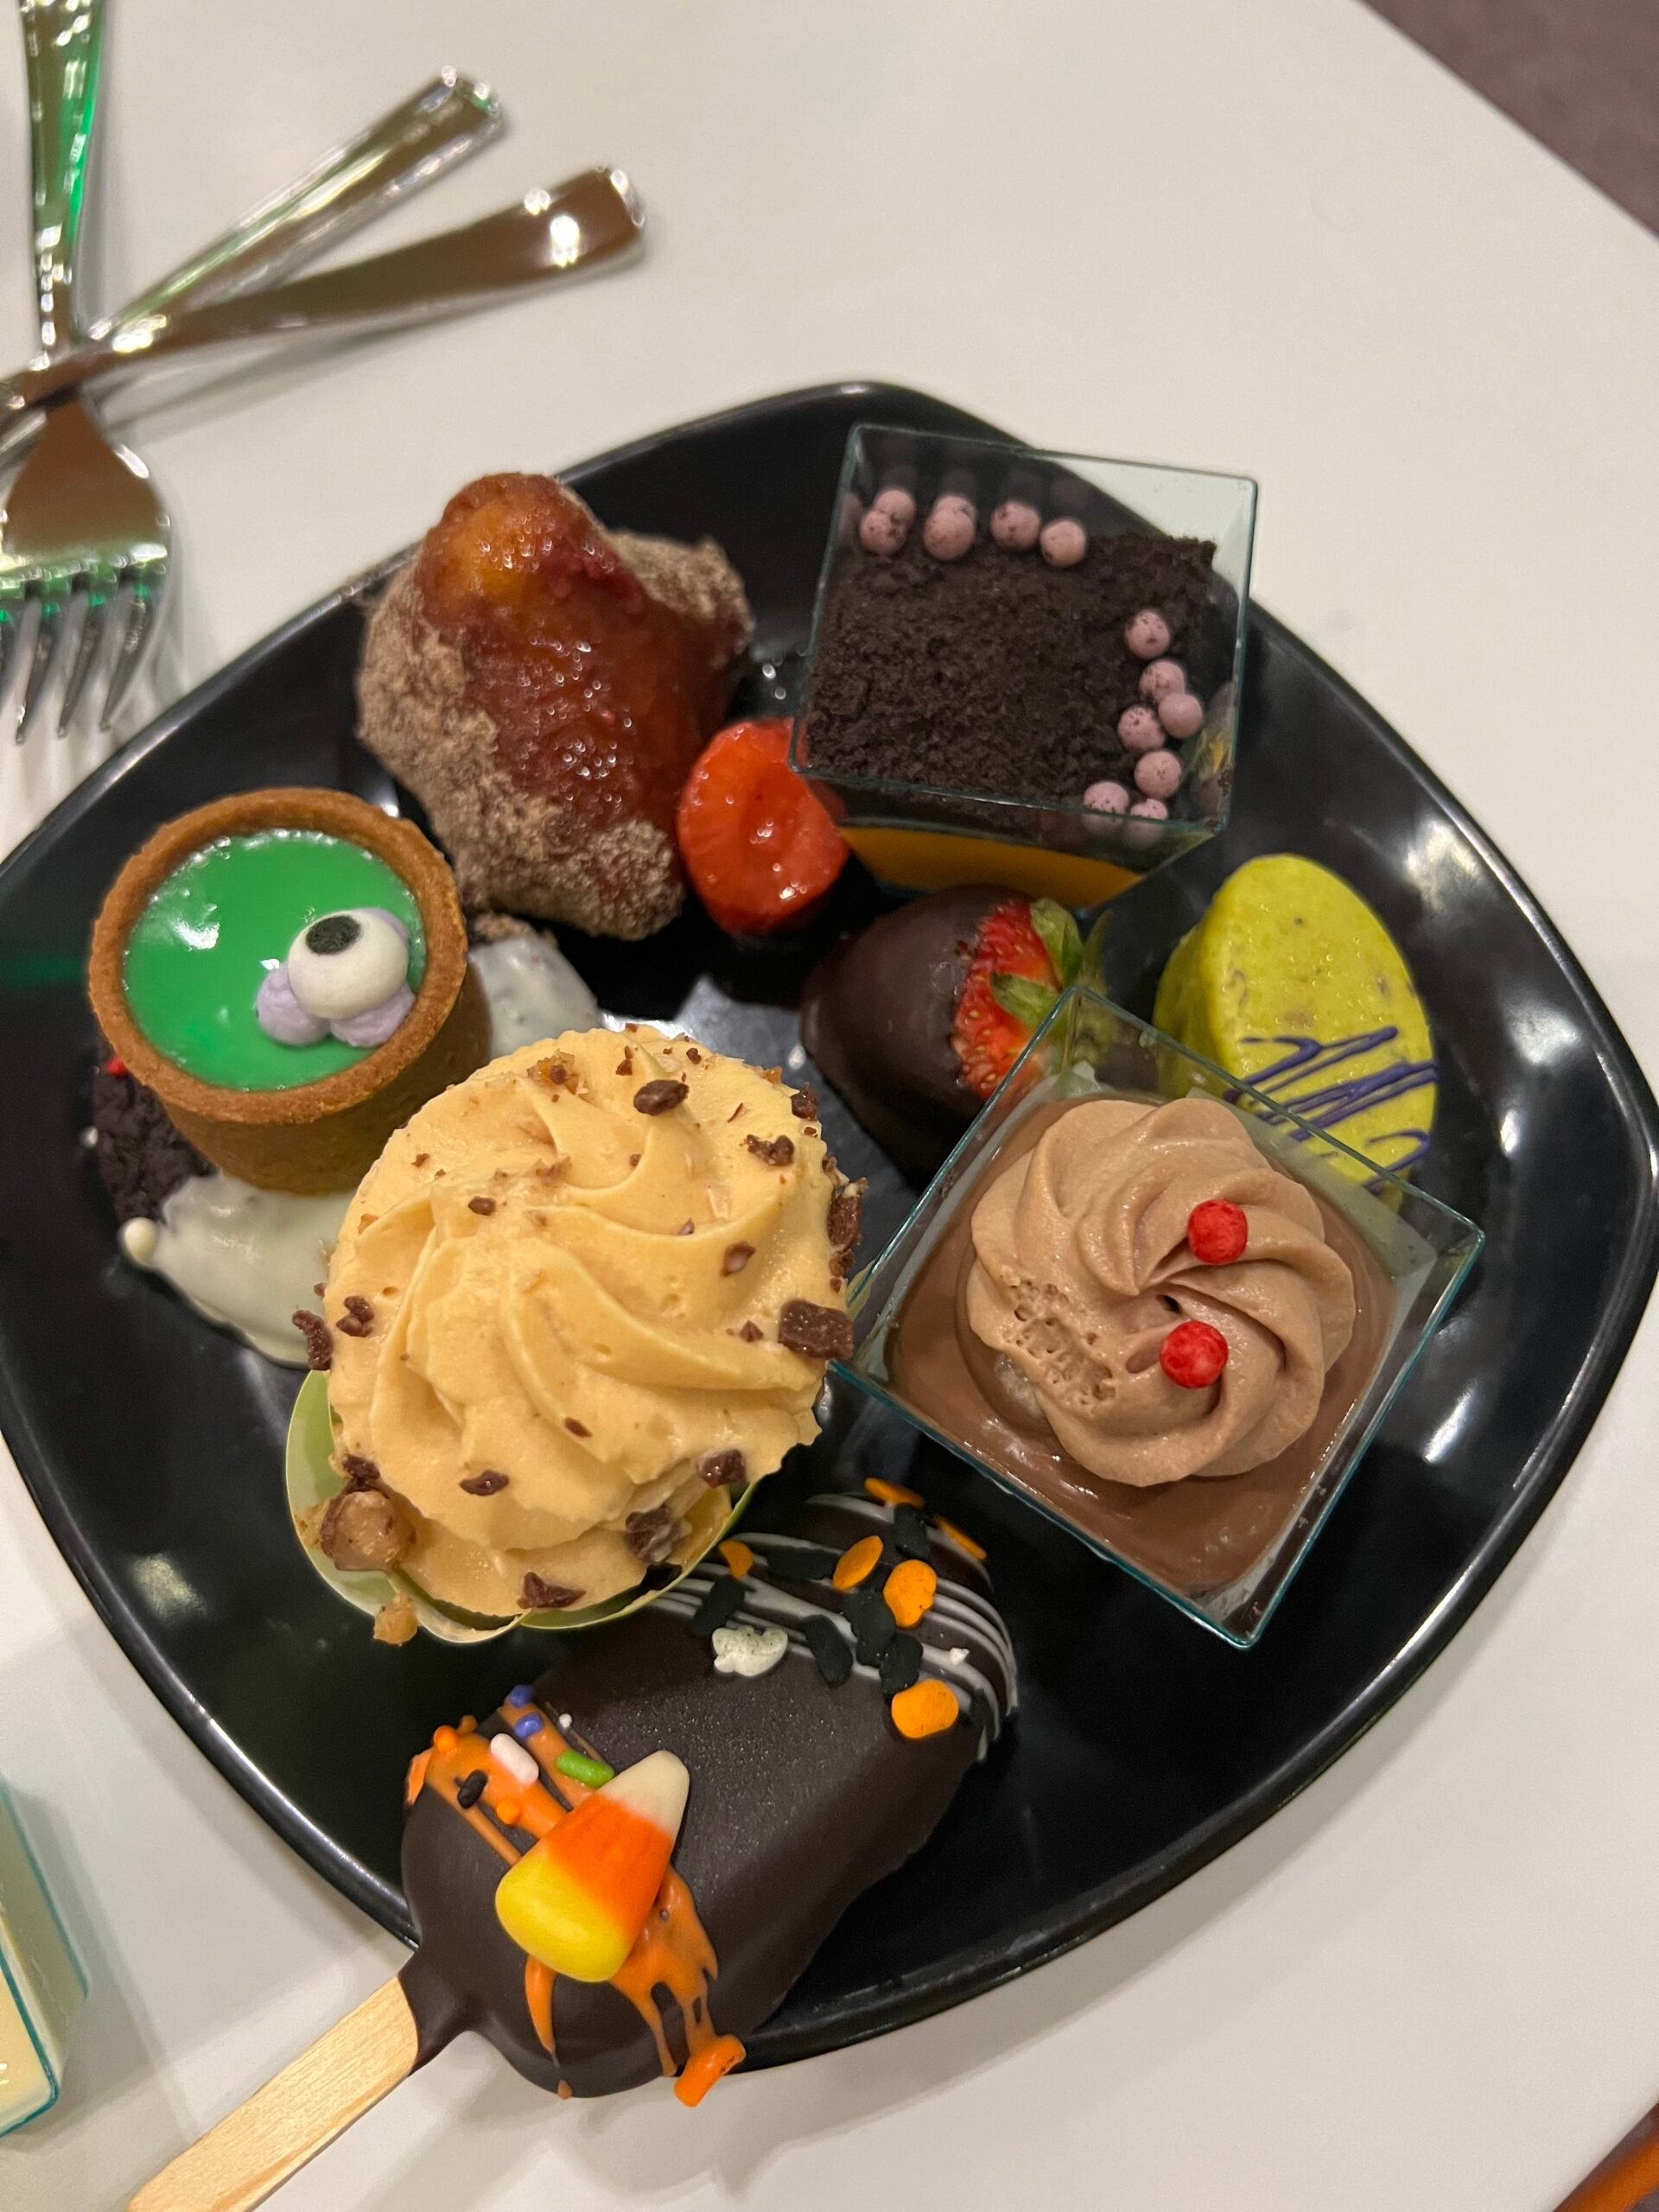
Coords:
pixel 94 629
pixel 48 641
pixel 22 617
pixel 143 606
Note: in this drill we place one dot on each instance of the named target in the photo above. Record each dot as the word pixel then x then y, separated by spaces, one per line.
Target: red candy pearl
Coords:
pixel 115 1065
pixel 1193 1355
pixel 1217 1232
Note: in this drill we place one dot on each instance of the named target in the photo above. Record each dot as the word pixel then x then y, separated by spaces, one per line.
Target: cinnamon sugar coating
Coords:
pixel 542 686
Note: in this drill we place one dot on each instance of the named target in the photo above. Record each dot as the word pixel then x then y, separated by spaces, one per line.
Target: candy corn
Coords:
pixel 578 1899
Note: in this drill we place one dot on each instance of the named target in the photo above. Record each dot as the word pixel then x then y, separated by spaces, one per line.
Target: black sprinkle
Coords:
pixel 873 1625
pixel 806 1563
pixel 901 1664
pixel 828 1647
pixel 468 1792
pixel 721 1602
pixel 910 1538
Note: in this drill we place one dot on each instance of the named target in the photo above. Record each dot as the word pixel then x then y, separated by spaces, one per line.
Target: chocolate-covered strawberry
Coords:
pixel 917 1021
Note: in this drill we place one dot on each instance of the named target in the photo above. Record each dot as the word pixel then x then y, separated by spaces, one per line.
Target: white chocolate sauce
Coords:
pixel 247 1259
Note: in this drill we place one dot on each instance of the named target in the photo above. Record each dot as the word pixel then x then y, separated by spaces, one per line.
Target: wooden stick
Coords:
pixel 255 2149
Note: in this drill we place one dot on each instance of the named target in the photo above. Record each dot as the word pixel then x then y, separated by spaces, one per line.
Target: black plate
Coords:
pixel 153 1445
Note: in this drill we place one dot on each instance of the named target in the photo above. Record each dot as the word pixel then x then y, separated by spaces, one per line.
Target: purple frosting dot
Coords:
pixel 1160 678
pixel 530 1725
pixel 374 1027
pixel 1137 728
pixel 1147 634
pixel 1181 714
pixel 280 1014
pixel 1157 775
pixel 1064 543
pixel 1015 526
pixel 1107 798
pixel 521 1693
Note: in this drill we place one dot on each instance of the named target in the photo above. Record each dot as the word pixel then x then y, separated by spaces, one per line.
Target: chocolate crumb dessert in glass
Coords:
pixel 1025 667
pixel 1139 1298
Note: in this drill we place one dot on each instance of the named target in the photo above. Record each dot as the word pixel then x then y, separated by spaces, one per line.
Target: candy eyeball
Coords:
pixel 343 964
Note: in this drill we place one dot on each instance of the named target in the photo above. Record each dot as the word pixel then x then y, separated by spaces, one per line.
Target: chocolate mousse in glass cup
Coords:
pixel 1025 667
pixel 1162 1309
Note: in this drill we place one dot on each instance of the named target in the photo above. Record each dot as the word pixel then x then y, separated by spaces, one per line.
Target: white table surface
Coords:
pixel 1275 238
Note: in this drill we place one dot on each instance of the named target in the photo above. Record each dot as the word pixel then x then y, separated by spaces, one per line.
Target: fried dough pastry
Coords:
pixel 542 686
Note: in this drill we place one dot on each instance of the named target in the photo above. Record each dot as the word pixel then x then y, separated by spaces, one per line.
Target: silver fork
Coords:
pixel 84 538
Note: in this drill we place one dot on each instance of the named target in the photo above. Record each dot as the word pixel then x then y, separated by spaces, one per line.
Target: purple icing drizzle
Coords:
pixel 1332 1104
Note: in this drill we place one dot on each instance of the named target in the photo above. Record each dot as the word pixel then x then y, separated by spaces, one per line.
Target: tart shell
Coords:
pixel 317 1136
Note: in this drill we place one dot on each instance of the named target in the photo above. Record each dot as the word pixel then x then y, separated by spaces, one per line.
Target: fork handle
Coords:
pixel 412 145
pixel 62 43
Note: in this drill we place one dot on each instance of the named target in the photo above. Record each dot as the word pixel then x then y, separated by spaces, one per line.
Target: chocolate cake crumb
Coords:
pixel 661 1097
pixel 142 1158
pixel 846 1217
pixel 901 1664
pixel 723 1469
pixel 721 1599
pixel 815 1332
pixel 828 1647
pixel 358 1319
pixel 319 1345
pixel 998 673
pixel 736 1258
pixel 650 1535
pixel 910 1536
pixel 804 1104
pixel 576 1427
pixel 480 1205
pixel 484 1484
pixel 360 1473
pixel 776 1152
pixel 538 1596
pixel 751 1332
pixel 624 1065
pixel 694 1056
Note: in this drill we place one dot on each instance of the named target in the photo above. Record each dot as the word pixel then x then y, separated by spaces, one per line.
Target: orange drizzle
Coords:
pixel 705 2069
pixel 538 1997
pixel 672 1951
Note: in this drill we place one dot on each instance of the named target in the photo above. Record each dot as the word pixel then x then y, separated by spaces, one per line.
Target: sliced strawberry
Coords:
pixel 987 1033
pixel 757 842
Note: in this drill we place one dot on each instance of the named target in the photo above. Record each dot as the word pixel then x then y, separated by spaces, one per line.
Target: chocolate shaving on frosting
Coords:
pixel 538 1596
pixel 776 1152
pixel 815 1332
pixel 319 1345
pixel 661 1097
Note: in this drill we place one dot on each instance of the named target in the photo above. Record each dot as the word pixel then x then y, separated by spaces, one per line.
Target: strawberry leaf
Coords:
pixel 1093 961
pixel 1029 1003
pixel 1058 928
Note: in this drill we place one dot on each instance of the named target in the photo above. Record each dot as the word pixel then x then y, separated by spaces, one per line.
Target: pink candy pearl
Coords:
pixel 1107 798
pixel 1157 775
pixel 1063 543
pixel 948 530
pixel 1150 809
pixel 1180 713
pixel 1147 634
pixel 898 503
pixel 881 532
pixel 1137 728
pixel 1160 678
pixel 1015 526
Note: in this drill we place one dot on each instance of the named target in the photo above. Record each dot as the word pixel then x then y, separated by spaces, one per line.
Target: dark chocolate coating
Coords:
pixel 802 1796
pixel 877 1015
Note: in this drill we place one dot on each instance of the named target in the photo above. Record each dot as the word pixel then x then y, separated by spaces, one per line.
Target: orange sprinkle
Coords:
pixel 417 1767
pixel 958 1536
pixel 926 1708
pixel 706 2069
pixel 910 1591
pixel 857 1563
pixel 509 1812
pixel 466 1726
pixel 444 1739
pixel 890 1493
pixel 738 1556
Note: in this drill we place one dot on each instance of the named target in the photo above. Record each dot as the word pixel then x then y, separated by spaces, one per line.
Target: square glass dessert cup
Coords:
pixel 1223 1548
pixel 955 711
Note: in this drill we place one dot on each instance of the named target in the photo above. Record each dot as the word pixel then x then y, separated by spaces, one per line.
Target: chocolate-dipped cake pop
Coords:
pixel 792 1723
